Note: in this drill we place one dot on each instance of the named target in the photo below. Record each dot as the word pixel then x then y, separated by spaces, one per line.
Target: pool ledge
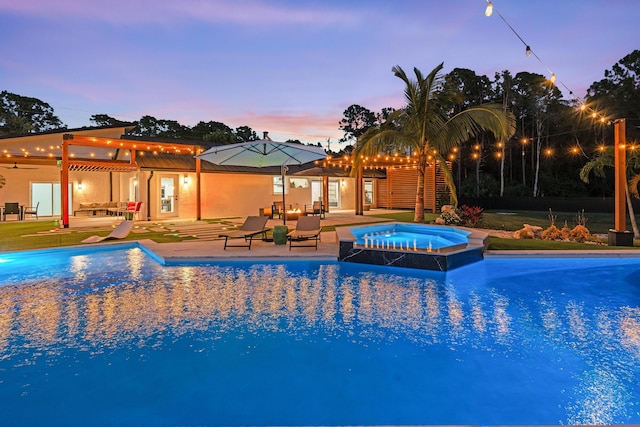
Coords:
pixel 442 260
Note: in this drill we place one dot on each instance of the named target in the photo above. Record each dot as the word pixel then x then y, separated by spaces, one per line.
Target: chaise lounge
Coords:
pixel 120 232
pixel 308 228
pixel 252 227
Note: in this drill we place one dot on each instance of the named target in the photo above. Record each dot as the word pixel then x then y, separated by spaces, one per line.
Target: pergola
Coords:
pixel 376 162
pixel 97 154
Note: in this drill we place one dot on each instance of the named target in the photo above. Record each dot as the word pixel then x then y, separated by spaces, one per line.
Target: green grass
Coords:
pixel 15 236
pixel 597 223
pixel 14 233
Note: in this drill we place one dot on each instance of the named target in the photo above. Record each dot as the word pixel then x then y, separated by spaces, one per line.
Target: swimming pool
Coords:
pixel 111 337
pixel 410 237
pixel 423 246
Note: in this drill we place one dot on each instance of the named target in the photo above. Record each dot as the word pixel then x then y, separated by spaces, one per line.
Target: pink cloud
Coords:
pixel 251 12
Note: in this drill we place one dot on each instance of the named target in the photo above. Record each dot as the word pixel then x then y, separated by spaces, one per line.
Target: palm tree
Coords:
pixel 606 159
pixel 426 128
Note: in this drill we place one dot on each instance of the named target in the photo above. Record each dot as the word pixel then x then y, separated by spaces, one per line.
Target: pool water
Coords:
pixel 111 337
pixel 409 236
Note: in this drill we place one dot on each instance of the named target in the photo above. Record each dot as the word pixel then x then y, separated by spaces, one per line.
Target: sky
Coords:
pixel 289 67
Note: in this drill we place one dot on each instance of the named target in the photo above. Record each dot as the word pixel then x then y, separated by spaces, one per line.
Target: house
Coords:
pixel 106 165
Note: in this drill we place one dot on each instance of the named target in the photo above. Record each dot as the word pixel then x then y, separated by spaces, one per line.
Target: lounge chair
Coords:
pixel 120 232
pixel 252 227
pixel 308 228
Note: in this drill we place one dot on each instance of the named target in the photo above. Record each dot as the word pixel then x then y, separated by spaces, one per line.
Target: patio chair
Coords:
pixel 307 228
pixel 252 227
pixel 276 209
pixel 120 232
pixel 131 210
pixel 31 210
pixel 317 208
pixel 12 208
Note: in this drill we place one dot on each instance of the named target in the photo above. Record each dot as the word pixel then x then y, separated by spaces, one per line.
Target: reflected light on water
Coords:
pixel 369 306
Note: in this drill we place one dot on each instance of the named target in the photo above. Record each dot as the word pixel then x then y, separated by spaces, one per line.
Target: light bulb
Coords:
pixel 553 78
pixel 528 52
pixel 489 10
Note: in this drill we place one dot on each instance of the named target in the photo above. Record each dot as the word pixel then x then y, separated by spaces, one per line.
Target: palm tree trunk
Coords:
pixel 418 215
pixel 504 144
pixel 632 216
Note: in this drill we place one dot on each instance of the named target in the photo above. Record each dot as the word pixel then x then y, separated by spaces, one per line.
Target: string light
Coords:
pixel 528 50
pixel 489 10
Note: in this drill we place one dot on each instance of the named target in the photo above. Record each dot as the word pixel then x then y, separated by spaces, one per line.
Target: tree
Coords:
pixel 619 92
pixel 245 133
pixel 23 114
pixel 158 128
pixel 105 120
pixel 536 98
pixel 356 121
pixel 426 127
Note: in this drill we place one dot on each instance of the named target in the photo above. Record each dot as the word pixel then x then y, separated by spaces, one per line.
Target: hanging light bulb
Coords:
pixel 489 10
pixel 528 52
pixel 553 78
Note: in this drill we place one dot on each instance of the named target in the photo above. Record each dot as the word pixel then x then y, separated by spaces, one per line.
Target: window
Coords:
pixel 277 185
pixel 298 183
pixel 368 192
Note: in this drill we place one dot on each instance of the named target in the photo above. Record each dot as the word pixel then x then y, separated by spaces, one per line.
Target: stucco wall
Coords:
pixel 223 194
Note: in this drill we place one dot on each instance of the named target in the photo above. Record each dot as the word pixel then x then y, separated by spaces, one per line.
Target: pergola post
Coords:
pixel 198 188
pixel 64 180
pixel 325 192
pixel 619 236
pixel 359 191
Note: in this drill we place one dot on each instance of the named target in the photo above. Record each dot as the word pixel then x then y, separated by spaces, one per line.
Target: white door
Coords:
pixel 168 196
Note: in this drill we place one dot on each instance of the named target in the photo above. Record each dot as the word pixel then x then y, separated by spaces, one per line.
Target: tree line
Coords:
pixel 554 138
pixel 22 115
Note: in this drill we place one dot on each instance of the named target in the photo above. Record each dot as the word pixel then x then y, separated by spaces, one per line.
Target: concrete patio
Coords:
pixel 206 245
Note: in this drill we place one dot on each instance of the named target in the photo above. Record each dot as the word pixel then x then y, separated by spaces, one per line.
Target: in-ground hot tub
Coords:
pixel 428 247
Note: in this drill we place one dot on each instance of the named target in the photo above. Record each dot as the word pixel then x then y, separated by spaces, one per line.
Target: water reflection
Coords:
pixel 369 306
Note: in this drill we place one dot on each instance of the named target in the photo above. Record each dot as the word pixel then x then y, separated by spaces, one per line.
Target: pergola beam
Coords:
pixel 112 143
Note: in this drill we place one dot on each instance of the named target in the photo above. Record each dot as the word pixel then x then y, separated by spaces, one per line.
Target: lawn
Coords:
pixel 597 223
pixel 14 234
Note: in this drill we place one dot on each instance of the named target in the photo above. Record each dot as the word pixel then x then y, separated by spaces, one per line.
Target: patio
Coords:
pixel 204 242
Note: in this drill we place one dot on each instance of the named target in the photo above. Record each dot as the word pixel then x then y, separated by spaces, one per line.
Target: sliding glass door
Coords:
pixel 48 198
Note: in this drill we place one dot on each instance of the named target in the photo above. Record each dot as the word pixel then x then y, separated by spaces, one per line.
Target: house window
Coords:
pixel 298 183
pixel 277 185
pixel 368 192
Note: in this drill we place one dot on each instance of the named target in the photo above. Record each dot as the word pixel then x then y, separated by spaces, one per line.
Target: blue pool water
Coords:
pixel 111 337
pixel 409 236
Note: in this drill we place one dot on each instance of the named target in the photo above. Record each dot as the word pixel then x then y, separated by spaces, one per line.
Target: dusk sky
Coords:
pixel 288 67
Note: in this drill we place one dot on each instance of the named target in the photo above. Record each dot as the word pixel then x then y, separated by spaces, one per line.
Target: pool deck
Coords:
pixel 212 248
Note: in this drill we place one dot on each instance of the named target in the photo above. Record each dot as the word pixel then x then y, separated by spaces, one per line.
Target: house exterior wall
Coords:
pixel 223 194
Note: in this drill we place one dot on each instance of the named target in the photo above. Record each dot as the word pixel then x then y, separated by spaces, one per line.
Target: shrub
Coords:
pixel 471 216
pixel 552 233
pixel 580 233
pixel 449 218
